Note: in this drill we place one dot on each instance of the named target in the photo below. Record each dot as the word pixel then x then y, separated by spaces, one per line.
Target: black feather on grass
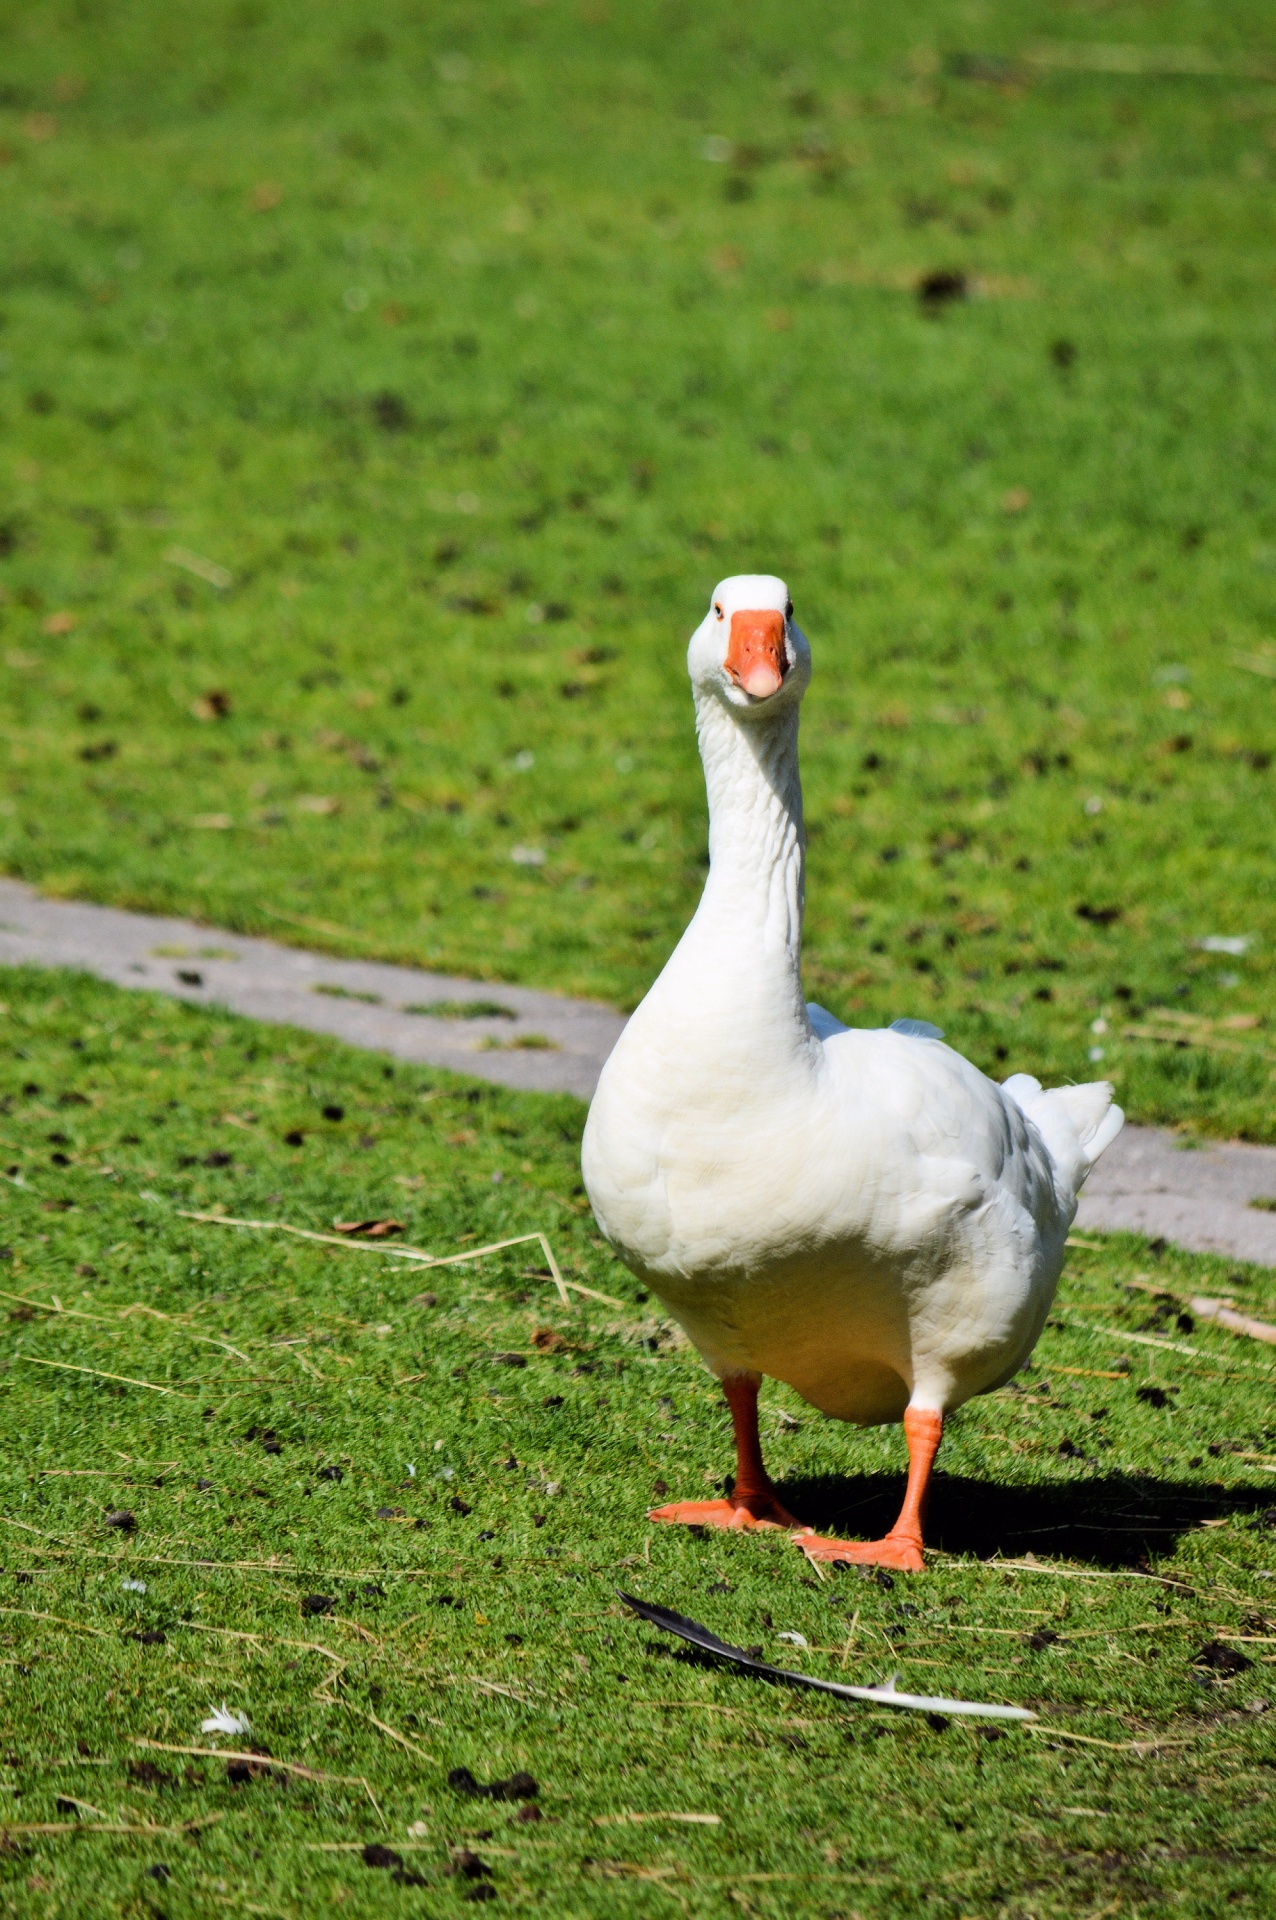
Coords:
pixel 698 1636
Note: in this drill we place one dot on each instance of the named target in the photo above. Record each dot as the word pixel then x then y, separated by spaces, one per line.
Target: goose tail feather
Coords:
pixel 1076 1123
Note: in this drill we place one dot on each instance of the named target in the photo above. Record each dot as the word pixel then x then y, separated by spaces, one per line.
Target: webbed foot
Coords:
pixel 735 1513
pixel 902 1551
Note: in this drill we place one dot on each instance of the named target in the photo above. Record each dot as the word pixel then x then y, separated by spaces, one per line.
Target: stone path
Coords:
pixel 1145 1183
pixel 360 1001
pixel 1148 1182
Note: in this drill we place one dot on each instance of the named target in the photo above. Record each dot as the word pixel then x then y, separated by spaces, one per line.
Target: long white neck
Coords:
pixel 733 987
pixel 757 845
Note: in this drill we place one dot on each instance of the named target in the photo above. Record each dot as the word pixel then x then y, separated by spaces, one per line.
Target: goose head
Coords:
pixel 747 651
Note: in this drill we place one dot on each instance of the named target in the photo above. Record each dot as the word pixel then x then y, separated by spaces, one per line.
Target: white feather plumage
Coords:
pixel 222 1720
pixel 858 1212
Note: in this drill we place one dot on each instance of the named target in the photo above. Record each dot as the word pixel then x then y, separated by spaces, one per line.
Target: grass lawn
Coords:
pixel 380 399
pixel 387 1527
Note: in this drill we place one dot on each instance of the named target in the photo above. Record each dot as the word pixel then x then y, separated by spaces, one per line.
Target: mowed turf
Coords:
pixel 380 401
pixel 383 1513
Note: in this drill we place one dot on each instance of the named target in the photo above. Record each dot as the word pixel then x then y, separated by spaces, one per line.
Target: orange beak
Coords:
pixel 755 654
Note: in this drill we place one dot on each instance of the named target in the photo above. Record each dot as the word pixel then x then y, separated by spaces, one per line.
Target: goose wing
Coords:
pixel 948 1138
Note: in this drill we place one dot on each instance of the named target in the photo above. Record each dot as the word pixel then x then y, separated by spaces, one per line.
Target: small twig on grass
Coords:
pixel 1223 1316
pixel 124 1313
pixel 65 1366
pixel 1170 1027
pixel 416 1256
pixel 639 1869
pixel 403 1626
pixel 205 1339
pixel 224 1633
pixel 28 1528
pixel 307 1366
pixel 376 1805
pixel 685 1819
pixel 318 926
pixel 1080 1573
pixel 237 1633
pixel 1256 663
pixel 1074 1633
pixel 1210 1042
pixel 287 1568
pixel 591 1293
pixel 1165 1346
pixel 1221 1312
pixel 700 1706
pixel 105 1826
pixel 357 1846
pixel 266 1760
pixel 1090 1373
pixel 45 1306
pixel 391 1733
pixel 103 1473
pixel 360 1632
pixel 1113 1746
pixel 1144 62
pixel 77 1626
pixel 577 1206
pixel 492 1686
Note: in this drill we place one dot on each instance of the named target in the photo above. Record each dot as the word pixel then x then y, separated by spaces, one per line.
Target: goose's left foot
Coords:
pixel 902 1546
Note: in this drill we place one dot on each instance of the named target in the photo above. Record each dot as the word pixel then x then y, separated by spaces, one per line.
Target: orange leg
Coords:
pixel 753 1502
pixel 902 1546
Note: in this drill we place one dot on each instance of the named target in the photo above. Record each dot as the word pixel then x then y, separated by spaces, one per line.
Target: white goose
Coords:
pixel 856 1211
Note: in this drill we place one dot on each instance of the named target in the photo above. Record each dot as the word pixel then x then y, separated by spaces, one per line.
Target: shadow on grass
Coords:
pixel 1112 1521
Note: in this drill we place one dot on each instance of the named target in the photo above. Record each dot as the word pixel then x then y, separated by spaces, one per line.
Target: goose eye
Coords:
pixel 717 609
pixel 788 609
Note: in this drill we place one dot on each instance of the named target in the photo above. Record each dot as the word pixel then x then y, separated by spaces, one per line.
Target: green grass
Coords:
pixel 281 1360
pixel 378 404
pixel 454 349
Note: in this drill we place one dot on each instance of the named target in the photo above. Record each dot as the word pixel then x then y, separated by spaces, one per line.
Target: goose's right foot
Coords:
pixel 733 1513
pixel 752 1502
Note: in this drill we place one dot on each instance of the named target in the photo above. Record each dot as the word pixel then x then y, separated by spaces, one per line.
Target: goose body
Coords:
pixel 858 1212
